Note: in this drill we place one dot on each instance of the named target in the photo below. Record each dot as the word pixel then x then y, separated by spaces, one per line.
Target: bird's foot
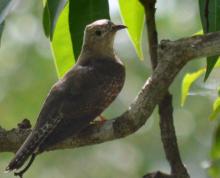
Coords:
pixel 99 120
pixel 102 119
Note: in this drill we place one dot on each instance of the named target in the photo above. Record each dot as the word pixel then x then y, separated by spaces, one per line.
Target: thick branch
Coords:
pixel 172 55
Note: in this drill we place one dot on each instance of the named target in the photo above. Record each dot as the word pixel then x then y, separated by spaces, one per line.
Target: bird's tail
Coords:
pixel 31 144
pixel 28 147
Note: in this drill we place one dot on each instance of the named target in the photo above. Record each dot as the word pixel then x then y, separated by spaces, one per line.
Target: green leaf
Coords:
pixel 214 170
pixel 216 109
pixel 189 79
pixel 61 44
pixel 132 13
pixel 210 18
pixel 200 32
pixel 187 82
pixel 216 144
pixel 81 14
pixel 51 13
pixel 211 61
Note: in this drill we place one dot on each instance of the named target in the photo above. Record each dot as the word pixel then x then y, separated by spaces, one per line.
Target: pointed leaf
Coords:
pixel 210 18
pixel 216 109
pixel 51 13
pixel 81 14
pixel 189 79
pixel 132 13
pixel 211 61
pixel 187 82
pixel 61 44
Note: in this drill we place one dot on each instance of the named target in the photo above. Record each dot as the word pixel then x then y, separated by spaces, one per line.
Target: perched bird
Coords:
pixel 80 96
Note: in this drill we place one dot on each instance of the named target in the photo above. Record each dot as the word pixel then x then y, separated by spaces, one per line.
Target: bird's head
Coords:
pixel 100 35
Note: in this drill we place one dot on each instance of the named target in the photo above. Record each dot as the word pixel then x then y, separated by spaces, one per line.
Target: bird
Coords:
pixel 83 93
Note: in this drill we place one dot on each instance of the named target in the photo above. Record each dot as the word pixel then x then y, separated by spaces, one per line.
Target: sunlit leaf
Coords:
pixel 132 13
pixel 44 2
pixel 210 18
pixel 187 82
pixel 216 109
pixel 81 14
pixel 61 44
pixel 200 32
pixel 51 13
pixel 189 79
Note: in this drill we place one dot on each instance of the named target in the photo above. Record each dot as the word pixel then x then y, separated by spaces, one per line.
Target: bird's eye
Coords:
pixel 98 33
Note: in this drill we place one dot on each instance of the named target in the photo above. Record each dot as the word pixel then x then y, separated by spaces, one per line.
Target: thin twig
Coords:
pixel 149 7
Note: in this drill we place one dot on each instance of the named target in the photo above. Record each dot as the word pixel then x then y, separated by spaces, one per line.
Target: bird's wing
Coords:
pixel 51 113
pixel 72 85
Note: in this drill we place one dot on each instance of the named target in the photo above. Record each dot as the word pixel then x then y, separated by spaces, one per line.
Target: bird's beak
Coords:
pixel 118 27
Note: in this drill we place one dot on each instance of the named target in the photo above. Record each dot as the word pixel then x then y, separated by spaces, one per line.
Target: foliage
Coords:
pixel 210 18
pixel 64 22
pixel 61 44
pixel 82 13
pixel 52 10
pixel 214 169
pixel 135 22
pixel 188 80
pixel 216 109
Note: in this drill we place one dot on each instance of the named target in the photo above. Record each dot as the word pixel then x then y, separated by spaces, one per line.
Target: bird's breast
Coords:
pixel 110 88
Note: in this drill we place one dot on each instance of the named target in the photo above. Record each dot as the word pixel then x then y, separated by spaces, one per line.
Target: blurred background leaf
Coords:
pixel 1 29
pixel 215 109
pixel 214 169
pixel 5 8
pixel 61 44
pixel 210 18
pixel 132 13
pixel 82 13
pixel 52 10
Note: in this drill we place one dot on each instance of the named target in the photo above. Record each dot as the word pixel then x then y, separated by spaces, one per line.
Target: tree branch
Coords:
pixel 168 134
pixel 149 7
pixel 169 138
pixel 172 55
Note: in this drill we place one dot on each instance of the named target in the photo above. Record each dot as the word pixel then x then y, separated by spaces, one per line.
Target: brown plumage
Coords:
pixel 80 96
